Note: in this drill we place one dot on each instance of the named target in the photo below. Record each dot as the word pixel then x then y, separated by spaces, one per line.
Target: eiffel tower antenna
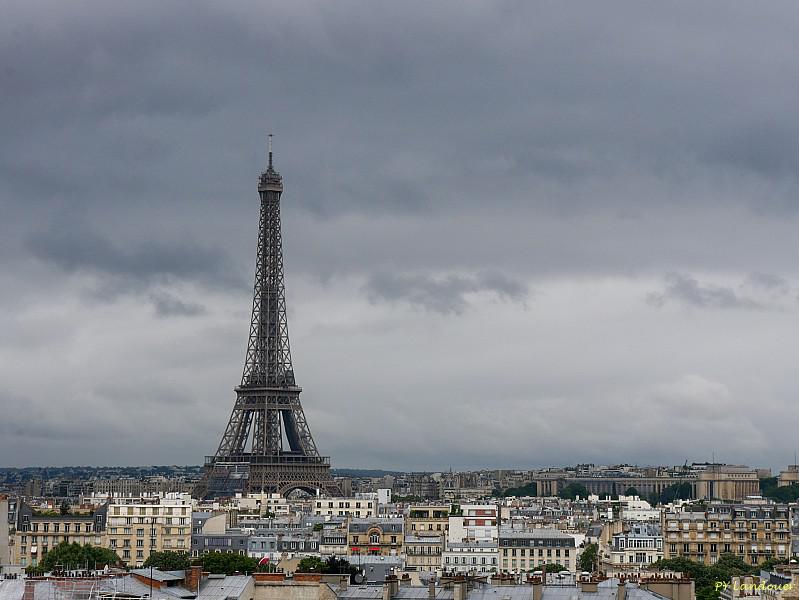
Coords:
pixel 270 150
pixel 252 455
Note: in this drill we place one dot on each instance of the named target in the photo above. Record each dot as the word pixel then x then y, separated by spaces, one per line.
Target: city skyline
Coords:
pixel 569 241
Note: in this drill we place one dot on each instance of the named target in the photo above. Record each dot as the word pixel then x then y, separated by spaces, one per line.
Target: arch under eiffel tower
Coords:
pixel 252 455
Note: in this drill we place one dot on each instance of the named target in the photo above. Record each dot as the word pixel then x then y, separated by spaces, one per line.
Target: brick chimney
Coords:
pixel 30 589
pixel 390 587
pixel 193 576
pixel 460 589
pixel 538 588
pixel 431 590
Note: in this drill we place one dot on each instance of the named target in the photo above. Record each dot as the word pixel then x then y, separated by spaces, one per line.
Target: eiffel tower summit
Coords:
pixel 267 445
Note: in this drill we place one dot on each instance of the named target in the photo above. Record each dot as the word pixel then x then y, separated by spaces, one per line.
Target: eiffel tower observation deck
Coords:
pixel 267 444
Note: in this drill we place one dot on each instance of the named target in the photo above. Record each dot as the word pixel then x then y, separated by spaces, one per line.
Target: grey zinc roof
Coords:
pixel 375 592
pixel 362 592
pixel 232 586
pixel 158 575
pixel 45 590
pixel 494 592
pixel 606 590
pixel 11 589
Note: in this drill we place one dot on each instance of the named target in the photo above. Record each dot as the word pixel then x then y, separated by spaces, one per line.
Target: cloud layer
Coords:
pixel 516 233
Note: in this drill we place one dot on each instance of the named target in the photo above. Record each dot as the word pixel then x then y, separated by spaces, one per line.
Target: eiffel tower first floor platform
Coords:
pixel 280 474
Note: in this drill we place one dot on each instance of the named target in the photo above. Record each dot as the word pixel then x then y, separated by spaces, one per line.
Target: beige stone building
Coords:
pixel 633 548
pixel 38 532
pixel 358 508
pixel 376 537
pixel 423 553
pixel 138 526
pixel 789 476
pixel 5 540
pixel 333 541
pixel 722 482
pixel 727 482
pixel 428 520
pixel 523 550
pixel 754 531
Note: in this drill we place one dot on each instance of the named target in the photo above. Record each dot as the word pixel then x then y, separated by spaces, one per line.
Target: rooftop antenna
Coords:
pixel 270 150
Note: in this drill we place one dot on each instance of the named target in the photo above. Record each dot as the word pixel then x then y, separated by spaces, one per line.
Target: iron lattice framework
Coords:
pixel 267 410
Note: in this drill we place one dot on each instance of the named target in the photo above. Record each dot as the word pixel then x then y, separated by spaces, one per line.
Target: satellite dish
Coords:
pixel 359 578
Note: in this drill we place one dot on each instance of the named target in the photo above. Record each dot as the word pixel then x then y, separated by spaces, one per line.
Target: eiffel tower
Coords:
pixel 267 416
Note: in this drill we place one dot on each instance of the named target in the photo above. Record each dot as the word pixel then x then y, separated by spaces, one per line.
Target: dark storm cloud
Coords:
pixel 23 419
pixel 769 149
pixel 436 156
pixel 768 281
pixel 445 294
pixel 141 265
pixel 166 305
pixel 687 290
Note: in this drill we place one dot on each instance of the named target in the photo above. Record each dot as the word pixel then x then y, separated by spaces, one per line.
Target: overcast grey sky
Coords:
pixel 515 233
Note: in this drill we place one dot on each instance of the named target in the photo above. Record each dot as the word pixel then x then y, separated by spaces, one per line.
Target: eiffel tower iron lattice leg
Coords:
pixel 252 455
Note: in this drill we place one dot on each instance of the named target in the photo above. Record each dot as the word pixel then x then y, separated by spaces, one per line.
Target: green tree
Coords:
pixel 227 563
pixel 786 493
pixel 310 564
pixel 766 483
pixel 531 489
pixel 588 558
pixel 705 577
pixel 340 566
pixel 318 526
pixel 64 508
pixel 66 556
pixel 676 491
pixel 168 560
pixel 554 568
pixel 631 491
pixel 333 564
pixel 571 491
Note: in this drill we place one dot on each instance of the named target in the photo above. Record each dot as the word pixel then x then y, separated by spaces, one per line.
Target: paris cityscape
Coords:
pixel 537 259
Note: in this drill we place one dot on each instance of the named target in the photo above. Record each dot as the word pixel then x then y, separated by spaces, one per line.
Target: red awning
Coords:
pixel 373 548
